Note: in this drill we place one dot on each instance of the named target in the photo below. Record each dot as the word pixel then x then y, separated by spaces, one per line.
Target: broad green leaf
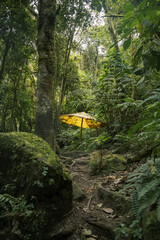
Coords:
pixel 127 43
pixel 129 15
pixel 128 8
pixel 129 100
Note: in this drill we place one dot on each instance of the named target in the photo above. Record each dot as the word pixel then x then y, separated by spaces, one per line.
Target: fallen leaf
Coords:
pixel 99 205
pixel 108 210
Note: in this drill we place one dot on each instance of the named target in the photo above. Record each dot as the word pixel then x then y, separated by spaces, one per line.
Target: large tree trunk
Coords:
pixel 46 71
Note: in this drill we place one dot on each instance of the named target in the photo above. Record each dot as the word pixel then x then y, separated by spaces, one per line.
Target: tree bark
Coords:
pixel 46 71
pixel 6 50
pixel 111 29
pixel 113 34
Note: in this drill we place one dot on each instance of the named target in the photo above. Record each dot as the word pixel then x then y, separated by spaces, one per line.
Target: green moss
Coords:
pixel 107 162
pixel 66 174
pixel 113 161
pixel 31 146
pixel 78 194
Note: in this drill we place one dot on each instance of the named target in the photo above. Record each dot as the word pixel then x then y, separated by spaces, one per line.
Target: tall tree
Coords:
pixel 46 70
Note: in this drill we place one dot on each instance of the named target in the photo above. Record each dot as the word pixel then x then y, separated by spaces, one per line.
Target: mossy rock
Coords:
pixel 107 162
pixel 29 168
pixel 150 225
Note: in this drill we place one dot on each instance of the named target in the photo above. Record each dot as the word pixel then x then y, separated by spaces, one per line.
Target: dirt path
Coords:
pixel 91 218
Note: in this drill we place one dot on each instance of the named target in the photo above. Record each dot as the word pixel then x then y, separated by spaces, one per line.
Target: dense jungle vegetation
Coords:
pixel 101 57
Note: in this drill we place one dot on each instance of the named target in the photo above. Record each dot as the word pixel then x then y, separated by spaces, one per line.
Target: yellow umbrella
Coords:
pixel 82 120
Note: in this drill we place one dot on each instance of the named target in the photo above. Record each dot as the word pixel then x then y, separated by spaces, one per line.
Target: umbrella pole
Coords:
pixel 81 128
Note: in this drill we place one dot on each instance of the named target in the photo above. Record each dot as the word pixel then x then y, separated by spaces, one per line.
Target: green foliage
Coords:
pixel 22 216
pixel 144 185
pixel 17 66
pixel 114 99
pixel 127 96
pixel 133 231
pixel 121 231
pixel 15 205
pixel 69 138
pixel 98 142
pixel 141 134
pixel 143 20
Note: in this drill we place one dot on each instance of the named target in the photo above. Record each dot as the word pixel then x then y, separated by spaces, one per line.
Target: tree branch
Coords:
pixel 114 15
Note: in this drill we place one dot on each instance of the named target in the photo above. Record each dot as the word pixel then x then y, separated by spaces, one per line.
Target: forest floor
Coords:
pixel 91 218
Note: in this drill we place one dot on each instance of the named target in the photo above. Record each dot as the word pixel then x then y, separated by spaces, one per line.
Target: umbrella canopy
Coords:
pixel 82 120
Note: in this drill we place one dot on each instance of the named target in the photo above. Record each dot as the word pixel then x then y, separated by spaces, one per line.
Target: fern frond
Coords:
pixel 134 179
pixel 149 200
pixel 135 203
pixel 149 187
pixel 151 124
pixel 142 168
pixel 139 173
pixel 154 97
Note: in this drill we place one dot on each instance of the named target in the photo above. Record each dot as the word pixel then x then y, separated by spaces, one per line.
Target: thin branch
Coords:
pixel 114 15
